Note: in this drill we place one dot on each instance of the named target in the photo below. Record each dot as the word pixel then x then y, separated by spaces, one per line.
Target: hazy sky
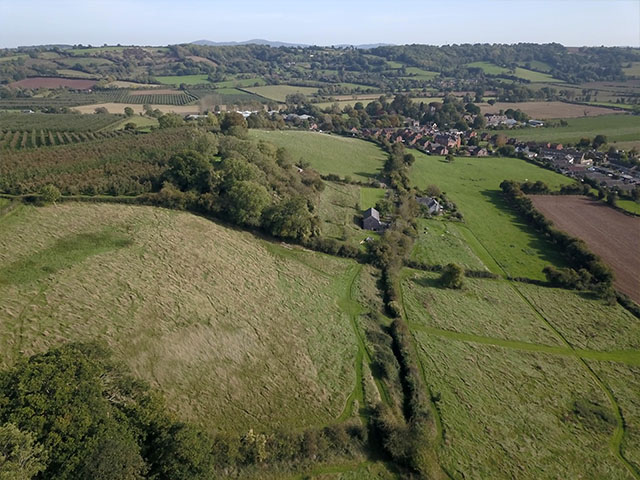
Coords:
pixel 327 22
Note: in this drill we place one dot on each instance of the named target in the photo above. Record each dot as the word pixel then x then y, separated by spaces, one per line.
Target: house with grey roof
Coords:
pixel 432 205
pixel 371 220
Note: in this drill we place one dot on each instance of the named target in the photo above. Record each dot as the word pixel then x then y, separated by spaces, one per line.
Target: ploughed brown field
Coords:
pixel 54 82
pixel 545 110
pixel 609 233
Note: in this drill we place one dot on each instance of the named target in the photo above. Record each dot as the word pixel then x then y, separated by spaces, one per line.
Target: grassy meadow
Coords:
pixel 328 153
pixel 237 332
pixel 526 379
pixel 474 185
pixel 186 79
pixel 440 242
pixel 617 128
pixel 279 92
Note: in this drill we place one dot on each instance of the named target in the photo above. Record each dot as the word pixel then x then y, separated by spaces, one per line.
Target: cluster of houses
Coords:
pixel 579 164
pixel 371 217
pixel 426 138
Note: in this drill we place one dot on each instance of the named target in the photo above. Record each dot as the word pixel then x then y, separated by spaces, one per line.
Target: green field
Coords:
pixel 279 92
pixel 186 79
pixel 617 128
pixel 502 361
pixel 440 242
pixel 240 82
pixel 633 70
pixel 421 74
pixel 630 206
pixel 532 76
pixel 261 338
pixel 329 153
pixel 141 123
pixel 474 185
pixel 370 196
pixel 338 212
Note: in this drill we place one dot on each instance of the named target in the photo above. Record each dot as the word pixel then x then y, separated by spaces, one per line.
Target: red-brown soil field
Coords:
pixel 53 82
pixel 609 233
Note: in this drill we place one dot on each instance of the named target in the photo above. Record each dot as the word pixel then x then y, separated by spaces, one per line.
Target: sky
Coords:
pixel 327 22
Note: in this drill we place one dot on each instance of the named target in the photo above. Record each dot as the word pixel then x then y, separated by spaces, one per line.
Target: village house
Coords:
pixel 432 205
pixel 449 141
pixel 371 220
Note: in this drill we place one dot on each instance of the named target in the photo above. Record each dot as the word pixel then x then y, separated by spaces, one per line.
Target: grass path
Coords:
pixel 629 357
pixel 615 443
pixel 353 309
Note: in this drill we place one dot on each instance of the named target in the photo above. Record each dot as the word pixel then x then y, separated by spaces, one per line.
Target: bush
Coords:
pixel 452 276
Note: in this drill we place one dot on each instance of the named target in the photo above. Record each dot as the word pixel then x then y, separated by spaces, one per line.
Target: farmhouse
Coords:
pixel 432 204
pixel 371 220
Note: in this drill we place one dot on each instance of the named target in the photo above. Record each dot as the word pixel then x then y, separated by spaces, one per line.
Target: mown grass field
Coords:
pixel 474 185
pixel 237 332
pixel 328 153
pixel 502 361
pixel 630 206
pixel 279 92
pixel 524 73
pixel 617 128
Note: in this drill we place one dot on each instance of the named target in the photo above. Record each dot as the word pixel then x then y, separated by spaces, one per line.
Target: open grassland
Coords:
pixel 511 414
pixel 279 92
pixel 186 79
pixel 486 308
pixel 338 211
pixel 65 72
pixel 633 70
pixel 544 110
pixel 419 73
pixel 629 205
pixel 473 184
pixel 370 196
pixel 440 242
pixel 53 82
pixel 586 322
pixel 141 123
pixel 609 233
pixel 237 332
pixel 624 381
pixel 617 128
pixel 342 156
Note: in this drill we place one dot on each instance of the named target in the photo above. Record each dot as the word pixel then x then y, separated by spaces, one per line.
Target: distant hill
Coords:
pixel 259 41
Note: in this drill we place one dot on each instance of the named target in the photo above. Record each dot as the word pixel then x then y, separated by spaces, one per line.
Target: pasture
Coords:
pixel 609 233
pixel 545 110
pixel 53 82
pixel 342 156
pixel 440 242
pixel 617 128
pixel 279 93
pixel 237 332
pixel 180 79
pixel 501 362
pixel 499 236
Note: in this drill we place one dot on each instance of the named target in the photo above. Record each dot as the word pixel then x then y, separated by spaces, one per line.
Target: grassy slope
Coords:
pixel 617 128
pixel 236 331
pixel 339 215
pixel 280 92
pixel 484 307
pixel 473 184
pixel 507 413
pixel 186 79
pixel 329 153
pixel 629 205
pixel 440 242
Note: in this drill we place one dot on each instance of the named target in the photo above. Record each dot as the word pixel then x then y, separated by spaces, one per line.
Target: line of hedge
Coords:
pixel 587 269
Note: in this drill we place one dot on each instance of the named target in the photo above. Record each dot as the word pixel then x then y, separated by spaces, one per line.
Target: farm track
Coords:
pixel 580 355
